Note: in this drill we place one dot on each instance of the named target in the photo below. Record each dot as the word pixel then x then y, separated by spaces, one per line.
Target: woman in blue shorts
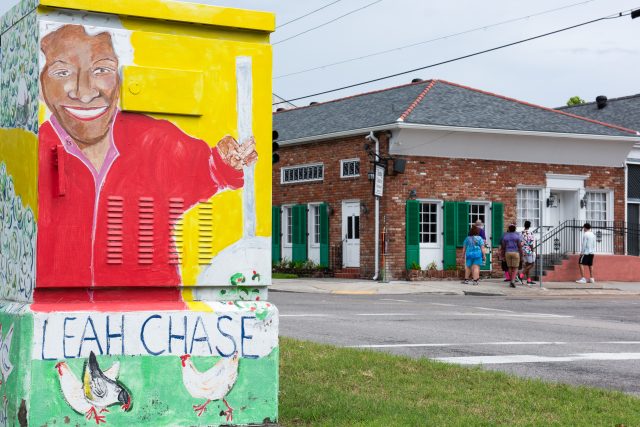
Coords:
pixel 472 253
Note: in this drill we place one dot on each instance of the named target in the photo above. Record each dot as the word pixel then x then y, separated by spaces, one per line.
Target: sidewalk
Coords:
pixel 489 287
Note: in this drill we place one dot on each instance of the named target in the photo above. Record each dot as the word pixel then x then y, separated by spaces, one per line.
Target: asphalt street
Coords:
pixel 591 341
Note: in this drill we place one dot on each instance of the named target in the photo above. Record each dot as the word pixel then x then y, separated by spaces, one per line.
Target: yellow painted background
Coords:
pixel 19 151
pixel 213 51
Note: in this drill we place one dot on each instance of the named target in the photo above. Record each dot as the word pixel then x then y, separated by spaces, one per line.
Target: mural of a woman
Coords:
pixel 110 181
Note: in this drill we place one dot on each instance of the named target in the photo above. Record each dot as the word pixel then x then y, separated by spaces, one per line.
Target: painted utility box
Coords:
pixel 135 207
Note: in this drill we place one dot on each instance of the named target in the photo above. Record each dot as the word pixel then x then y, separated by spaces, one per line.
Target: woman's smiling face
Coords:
pixel 80 82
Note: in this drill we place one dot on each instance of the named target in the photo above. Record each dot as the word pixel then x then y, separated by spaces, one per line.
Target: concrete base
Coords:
pixel 614 268
pixel 140 367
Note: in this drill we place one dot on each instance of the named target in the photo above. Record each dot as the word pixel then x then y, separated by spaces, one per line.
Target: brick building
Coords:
pixel 623 111
pixel 453 154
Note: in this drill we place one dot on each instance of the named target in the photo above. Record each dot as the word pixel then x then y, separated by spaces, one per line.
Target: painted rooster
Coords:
pixel 95 392
pixel 213 384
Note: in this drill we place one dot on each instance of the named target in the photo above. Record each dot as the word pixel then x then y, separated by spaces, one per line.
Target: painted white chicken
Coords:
pixel 96 392
pixel 213 384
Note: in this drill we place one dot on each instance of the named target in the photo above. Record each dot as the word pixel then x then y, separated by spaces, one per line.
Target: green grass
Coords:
pixel 284 276
pixel 322 385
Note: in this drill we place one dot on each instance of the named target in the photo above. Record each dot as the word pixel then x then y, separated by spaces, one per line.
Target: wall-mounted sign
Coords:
pixel 378 183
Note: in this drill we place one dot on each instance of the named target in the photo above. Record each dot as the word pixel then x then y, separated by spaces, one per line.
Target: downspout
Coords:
pixel 376 244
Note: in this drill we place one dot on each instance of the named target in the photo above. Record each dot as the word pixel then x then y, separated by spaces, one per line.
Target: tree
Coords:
pixel 575 100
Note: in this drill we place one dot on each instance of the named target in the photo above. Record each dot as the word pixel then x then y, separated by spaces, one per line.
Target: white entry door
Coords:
pixel 351 234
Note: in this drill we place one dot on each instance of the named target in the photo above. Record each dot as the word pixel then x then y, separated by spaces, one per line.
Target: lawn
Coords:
pixel 284 276
pixel 322 385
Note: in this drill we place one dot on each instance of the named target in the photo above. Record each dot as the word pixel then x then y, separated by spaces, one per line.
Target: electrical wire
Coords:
pixel 614 16
pixel 311 13
pixel 484 27
pixel 327 23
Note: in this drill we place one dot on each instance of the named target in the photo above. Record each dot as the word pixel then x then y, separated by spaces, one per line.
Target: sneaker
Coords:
pixel 519 280
pixel 583 280
pixel 506 280
pixel 475 283
pixel 465 282
pixel 530 282
pixel 592 280
pixel 511 284
pixel 521 276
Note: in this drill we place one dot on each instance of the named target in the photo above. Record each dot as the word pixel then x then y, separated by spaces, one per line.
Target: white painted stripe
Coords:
pixel 528 315
pixel 529 358
pixel 304 315
pixel 397 300
pixel 494 309
pixel 443 305
pixel 493 343
pixel 458 344
pixel 386 314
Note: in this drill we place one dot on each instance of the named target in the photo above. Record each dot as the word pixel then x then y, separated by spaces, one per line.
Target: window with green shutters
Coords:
pixel 412 233
pixel 276 235
pixel 299 233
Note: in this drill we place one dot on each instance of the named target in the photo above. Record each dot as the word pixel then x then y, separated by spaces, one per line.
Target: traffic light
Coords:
pixel 275 157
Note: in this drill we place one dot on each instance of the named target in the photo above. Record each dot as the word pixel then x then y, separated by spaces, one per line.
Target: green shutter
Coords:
pixel 413 233
pixel 462 222
pixel 449 238
pixel 276 235
pixel 324 235
pixel 497 223
pixel 299 237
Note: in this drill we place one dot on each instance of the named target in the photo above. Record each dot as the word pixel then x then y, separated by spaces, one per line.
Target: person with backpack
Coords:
pixel 528 241
pixel 511 251
pixel 473 254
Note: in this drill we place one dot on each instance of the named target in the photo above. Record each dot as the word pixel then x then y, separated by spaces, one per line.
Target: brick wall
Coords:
pixel 433 178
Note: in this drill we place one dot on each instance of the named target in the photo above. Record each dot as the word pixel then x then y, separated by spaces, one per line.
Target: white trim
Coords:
pixel 311 225
pixel 402 125
pixel 550 175
pixel 520 132
pixel 342 161
pixel 299 181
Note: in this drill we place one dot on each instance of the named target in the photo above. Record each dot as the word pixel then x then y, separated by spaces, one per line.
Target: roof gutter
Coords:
pixel 631 137
pixel 401 125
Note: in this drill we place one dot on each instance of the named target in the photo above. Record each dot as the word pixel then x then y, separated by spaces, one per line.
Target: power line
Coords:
pixel 614 16
pixel 484 27
pixel 310 13
pixel 328 22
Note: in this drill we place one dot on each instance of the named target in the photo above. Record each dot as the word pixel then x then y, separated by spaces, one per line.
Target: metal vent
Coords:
pixel 115 215
pixel 205 232
pixel 146 216
pixel 176 243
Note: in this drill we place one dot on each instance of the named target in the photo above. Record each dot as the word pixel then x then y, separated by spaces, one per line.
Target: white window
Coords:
pixel 429 222
pixel 302 173
pixel 596 207
pixel 477 211
pixel 287 225
pixel 314 224
pixel 528 206
pixel 349 168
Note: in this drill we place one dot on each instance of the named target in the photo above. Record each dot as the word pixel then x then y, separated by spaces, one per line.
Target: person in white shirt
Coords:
pixel 586 253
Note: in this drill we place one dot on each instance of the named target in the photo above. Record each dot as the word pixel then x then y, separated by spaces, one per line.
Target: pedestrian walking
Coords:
pixel 528 241
pixel 511 248
pixel 473 253
pixel 587 251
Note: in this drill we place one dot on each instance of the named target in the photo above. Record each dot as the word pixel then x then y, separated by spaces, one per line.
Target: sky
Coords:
pixel 601 58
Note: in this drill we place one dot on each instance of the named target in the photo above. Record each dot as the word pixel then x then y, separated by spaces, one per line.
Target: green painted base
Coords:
pixel 140 368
